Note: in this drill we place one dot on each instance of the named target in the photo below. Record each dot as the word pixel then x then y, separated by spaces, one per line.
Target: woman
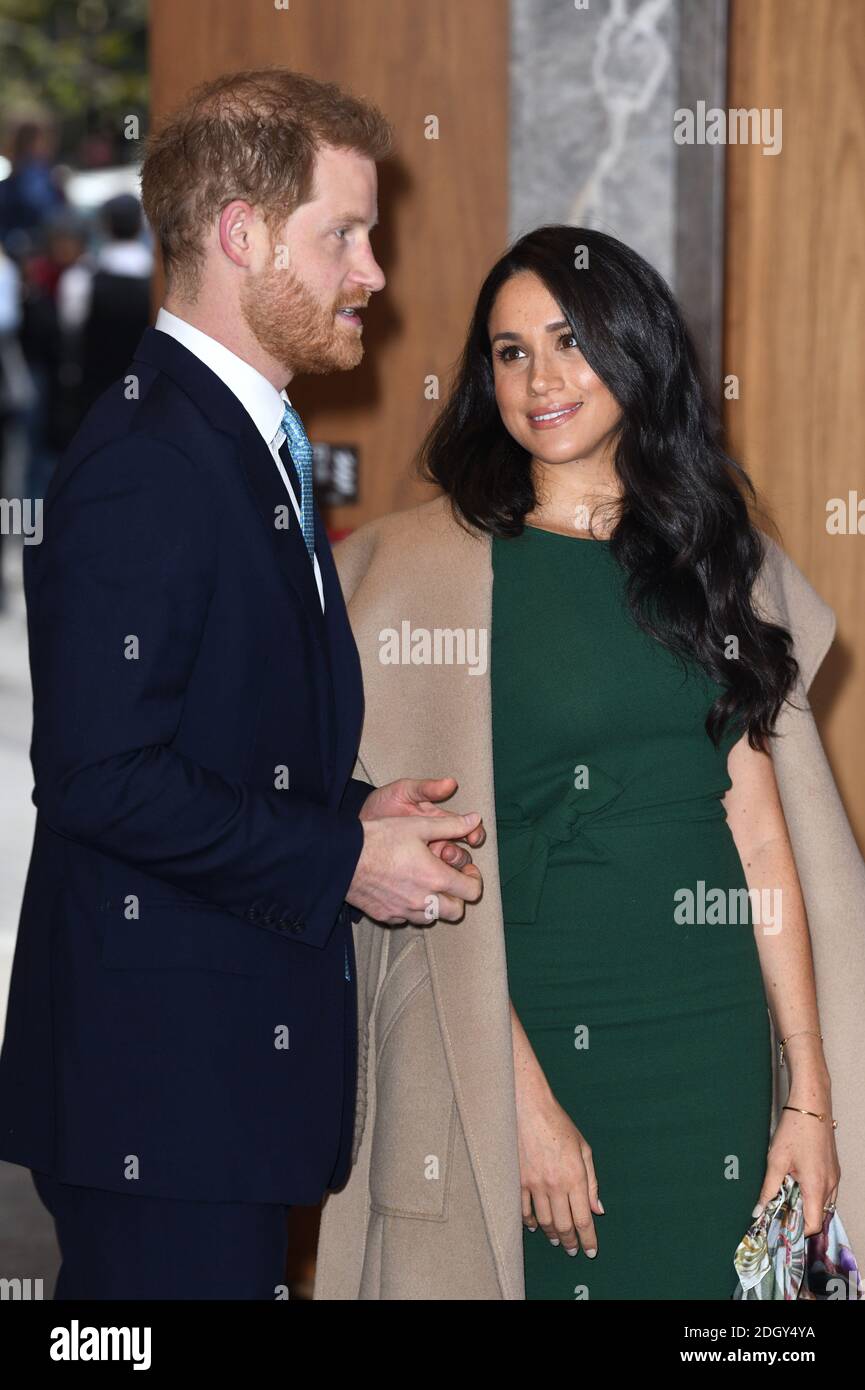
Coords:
pixel 645 700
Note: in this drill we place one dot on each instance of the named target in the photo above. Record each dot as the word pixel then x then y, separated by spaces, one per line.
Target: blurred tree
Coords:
pixel 82 64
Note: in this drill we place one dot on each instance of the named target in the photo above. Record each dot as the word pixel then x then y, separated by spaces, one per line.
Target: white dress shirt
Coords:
pixel 259 397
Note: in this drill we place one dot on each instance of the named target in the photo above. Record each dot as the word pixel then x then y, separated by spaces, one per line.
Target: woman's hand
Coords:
pixel 557 1175
pixel 804 1147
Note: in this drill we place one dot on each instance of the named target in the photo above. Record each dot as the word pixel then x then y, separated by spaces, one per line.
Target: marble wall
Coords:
pixel 594 86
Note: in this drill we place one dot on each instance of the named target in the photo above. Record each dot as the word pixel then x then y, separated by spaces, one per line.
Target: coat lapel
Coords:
pixel 448 585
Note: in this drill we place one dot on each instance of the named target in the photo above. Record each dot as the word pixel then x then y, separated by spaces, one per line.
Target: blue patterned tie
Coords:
pixel 301 452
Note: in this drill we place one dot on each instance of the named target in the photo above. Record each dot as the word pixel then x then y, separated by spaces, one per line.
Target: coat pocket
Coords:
pixel 171 934
pixel 415 1110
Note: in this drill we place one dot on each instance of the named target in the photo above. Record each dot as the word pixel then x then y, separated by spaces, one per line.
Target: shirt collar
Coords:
pixel 259 397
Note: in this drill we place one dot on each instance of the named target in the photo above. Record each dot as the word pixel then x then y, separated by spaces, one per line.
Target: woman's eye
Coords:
pixel 501 353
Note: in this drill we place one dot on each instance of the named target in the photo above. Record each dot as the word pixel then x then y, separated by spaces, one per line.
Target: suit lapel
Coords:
pixel 286 542
pixel 346 680
pixel 337 675
pixel 224 412
pixel 341 688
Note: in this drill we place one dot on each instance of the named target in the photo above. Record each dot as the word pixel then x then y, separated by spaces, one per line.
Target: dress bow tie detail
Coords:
pixel 530 840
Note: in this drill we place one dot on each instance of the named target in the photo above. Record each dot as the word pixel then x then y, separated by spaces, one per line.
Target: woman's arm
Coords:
pixel 528 1073
pixel 557 1174
pixel 756 819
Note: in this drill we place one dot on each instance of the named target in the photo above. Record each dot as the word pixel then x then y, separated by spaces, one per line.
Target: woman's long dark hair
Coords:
pixel 684 535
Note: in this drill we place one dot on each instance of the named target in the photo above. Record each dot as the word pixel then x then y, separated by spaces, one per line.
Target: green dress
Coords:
pixel 640 992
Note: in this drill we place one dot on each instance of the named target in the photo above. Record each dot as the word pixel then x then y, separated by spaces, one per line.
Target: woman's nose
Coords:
pixel 544 377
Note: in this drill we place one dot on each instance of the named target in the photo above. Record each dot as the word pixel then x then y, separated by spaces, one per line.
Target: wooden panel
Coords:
pixel 442 203
pixel 795 319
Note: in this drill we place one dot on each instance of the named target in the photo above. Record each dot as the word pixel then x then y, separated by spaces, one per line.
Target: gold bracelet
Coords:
pixel 809 1112
pixel 782 1044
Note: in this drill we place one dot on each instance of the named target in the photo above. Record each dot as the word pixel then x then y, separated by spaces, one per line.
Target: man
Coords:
pixel 179 1060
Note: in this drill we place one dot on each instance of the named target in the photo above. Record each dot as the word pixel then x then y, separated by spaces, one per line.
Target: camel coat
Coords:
pixel 431 1209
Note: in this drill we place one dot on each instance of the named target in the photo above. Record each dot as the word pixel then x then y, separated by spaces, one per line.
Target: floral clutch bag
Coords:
pixel 775 1260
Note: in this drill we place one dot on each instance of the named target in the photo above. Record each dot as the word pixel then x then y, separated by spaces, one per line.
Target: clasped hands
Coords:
pixel 412 867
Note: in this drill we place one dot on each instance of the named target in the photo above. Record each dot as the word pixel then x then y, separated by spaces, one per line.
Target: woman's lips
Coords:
pixel 562 414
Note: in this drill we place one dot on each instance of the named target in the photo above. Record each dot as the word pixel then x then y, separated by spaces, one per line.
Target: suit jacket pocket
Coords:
pixel 172 934
pixel 415 1110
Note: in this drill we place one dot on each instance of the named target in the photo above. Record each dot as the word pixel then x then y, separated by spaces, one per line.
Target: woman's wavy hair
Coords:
pixel 683 533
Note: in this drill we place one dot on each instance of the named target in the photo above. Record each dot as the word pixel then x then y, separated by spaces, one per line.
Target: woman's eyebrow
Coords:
pixel 550 328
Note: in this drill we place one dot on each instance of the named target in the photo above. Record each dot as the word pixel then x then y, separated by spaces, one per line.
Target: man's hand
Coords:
pixel 398 880
pixel 415 796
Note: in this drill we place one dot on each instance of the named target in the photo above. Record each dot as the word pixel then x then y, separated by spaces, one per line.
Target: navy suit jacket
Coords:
pixel 182 1012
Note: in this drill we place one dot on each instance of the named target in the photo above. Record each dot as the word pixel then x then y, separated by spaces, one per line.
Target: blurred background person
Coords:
pixel 16 383
pixel 50 421
pixel 103 301
pixel 30 193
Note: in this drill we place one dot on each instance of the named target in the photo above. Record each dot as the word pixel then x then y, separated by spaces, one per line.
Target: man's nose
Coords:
pixel 370 274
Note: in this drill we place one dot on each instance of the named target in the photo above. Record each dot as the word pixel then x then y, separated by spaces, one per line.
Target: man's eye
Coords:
pixel 340 230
